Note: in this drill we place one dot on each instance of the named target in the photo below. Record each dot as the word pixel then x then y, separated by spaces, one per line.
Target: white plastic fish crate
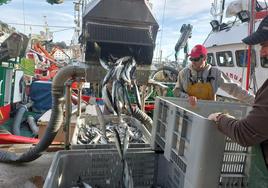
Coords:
pixel 204 156
pixel 233 172
pixel 103 168
pixel 108 118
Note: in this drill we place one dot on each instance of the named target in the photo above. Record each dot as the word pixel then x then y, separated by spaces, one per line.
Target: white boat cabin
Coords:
pixel 227 51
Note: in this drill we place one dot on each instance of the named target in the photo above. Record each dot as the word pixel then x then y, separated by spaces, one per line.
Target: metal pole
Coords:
pixel 222 9
pixel 251 28
pixel 79 85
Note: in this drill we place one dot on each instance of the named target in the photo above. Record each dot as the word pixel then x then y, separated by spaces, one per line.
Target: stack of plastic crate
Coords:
pixel 99 165
pixel 201 154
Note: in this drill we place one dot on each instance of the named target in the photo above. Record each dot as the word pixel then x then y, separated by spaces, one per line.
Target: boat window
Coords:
pixel 242 58
pixel 264 62
pixel 211 59
pixel 225 59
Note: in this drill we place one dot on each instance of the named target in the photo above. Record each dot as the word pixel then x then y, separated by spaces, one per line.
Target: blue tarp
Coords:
pixel 40 94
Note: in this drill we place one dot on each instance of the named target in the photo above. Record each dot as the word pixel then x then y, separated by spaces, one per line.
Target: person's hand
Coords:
pixel 192 100
pixel 214 116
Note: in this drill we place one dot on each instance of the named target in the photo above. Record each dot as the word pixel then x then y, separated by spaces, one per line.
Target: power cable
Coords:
pixel 162 29
pixel 37 25
pixel 61 30
pixel 169 55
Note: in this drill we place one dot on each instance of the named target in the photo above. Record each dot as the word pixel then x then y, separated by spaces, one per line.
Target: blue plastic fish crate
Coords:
pixel 204 156
pixel 103 168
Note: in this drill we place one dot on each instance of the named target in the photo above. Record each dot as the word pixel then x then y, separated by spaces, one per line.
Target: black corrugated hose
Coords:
pixel 143 118
pixel 55 121
pixel 18 119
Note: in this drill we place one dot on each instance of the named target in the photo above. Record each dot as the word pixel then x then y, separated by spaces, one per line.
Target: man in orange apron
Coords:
pixel 201 81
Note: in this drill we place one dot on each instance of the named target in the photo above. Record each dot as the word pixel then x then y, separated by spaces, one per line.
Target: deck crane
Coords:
pixel 186 33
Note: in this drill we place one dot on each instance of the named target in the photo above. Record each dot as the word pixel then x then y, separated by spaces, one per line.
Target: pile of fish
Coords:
pixel 120 76
pixel 81 184
pixel 121 135
pixel 92 134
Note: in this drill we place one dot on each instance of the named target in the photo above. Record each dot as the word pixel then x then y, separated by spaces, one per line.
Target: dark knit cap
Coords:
pixel 259 36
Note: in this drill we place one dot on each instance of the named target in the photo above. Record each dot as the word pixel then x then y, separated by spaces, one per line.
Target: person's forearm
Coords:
pixel 235 90
pixel 238 130
pixel 238 92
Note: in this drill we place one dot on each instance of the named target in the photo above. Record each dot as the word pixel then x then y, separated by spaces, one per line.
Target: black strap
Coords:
pixel 195 81
pixel 209 77
pixel 191 77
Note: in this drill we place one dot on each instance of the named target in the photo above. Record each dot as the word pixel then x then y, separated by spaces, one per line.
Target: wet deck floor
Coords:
pixel 28 175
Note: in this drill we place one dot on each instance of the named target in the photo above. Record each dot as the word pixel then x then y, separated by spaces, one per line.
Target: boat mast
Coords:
pixel 222 9
pixel 217 10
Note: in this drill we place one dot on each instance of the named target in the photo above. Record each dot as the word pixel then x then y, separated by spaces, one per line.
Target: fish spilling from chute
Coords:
pixel 116 83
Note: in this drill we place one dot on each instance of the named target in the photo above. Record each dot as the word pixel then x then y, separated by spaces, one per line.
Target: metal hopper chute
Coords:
pixel 119 28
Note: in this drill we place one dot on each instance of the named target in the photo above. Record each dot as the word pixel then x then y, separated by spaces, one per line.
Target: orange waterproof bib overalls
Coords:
pixel 201 89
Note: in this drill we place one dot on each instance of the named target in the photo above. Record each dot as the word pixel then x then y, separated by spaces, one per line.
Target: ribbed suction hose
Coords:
pixel 56 118
pixel 32 124
pixel 143 118
pixel 18 119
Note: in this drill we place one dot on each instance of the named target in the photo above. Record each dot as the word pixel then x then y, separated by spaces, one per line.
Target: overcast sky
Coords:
pixel 176 13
